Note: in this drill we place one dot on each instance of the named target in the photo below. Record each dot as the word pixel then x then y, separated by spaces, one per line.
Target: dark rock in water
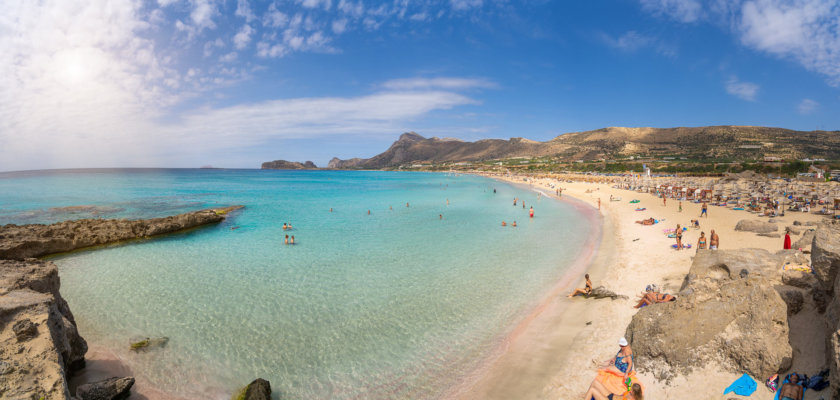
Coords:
pixel 601 292
pixel 25 330
pixel 720 317
pixel 109 389
pixel 259 389
pixel 756 226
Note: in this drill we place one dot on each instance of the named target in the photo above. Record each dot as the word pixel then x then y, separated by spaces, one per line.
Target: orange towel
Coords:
pixel 614 381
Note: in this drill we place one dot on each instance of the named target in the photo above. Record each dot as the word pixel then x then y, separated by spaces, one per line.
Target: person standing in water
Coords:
pixel 292 241
pixel 287 239
pixel 531 212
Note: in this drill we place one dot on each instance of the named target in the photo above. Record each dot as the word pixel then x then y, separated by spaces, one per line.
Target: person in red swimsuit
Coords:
pixel 787 239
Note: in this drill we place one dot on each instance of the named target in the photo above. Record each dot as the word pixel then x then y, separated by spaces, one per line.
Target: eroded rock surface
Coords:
pixel 825 259
pixel 109 389
pixel 751 225
pixel 728 311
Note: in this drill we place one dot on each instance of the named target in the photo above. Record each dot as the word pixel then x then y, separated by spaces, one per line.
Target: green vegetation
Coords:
pixel 241 394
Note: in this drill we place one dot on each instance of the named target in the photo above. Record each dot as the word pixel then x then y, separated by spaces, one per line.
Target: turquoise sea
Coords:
pixel 398 304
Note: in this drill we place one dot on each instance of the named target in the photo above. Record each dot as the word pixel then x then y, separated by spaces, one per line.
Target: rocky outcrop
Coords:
pixel 18 242
pixel 283 164
pixel 750 225
pixel 727 311
pixel 352 163
pixel 825 259
pixel 109 389
pixel 39 342
pixel 601 292
pixel 259 389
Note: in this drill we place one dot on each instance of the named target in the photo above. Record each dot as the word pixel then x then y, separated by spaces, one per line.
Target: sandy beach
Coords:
pixel 557 353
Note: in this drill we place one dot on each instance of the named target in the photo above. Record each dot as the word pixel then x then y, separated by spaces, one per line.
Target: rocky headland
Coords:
pixel 39 343
pixel 283 164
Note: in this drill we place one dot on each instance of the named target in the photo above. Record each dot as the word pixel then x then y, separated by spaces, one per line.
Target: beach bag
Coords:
pixel 772 383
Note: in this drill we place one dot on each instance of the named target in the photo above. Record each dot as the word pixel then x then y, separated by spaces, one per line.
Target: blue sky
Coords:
pixel 232 83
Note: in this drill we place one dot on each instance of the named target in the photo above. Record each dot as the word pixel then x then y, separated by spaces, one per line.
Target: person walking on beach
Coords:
pixel 663 200
pixel 787 239
pixel 680 206
pixel 599 203
pixel 714 240
pixel 704 210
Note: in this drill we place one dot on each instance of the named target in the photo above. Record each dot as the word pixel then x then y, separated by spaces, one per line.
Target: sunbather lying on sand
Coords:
pixel 654 297
pixel 649 221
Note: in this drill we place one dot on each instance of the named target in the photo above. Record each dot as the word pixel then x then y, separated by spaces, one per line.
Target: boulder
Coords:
pixel 770 235
pixel 109 389
pixel 751 225
pixel 805 241
pixel 719 316
pixel 797 223
pixel 259 389
pixel 794 298
pixel 601 292
pixel 825 255
pixel 794 230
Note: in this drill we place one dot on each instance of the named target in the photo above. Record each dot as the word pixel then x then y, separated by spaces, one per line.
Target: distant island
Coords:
pixel 283 164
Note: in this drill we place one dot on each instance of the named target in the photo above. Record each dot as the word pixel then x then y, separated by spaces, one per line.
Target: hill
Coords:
pixel 710 143
pixel 283 164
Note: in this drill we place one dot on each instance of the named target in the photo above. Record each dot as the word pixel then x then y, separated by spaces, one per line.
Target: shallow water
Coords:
pixel 395 304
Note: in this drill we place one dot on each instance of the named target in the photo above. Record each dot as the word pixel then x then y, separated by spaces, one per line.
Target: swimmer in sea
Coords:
pixel 290 226
pixel 440 216
pixel 287 239
pixel 513 224
pixel 368 212
pixel 330 209
pixel 285 227
pixel 406 204
pixel 293 240
pixel 504 223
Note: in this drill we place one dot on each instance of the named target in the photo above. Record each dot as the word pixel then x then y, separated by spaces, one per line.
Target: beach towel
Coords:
pixel 614 381
pixel 634 201
pixel 685 246
pixel 743 386
pixel 641 209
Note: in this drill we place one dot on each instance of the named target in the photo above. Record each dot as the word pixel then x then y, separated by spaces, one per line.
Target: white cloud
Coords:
pixel 326 4
pixel 243 37
pixel 461 5
pixel 229 57
pixel 743 90
pixel 275 18
pixel 630 41
pixel 243 9
pixel 805 31
pixel 681 10
pixel 439 83
pixel 203 13
pixel 212 45
pixel 339 26
pixel 807 106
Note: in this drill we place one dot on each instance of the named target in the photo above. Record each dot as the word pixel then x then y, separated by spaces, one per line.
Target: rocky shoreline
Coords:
pixel 40 346
pixel 735 309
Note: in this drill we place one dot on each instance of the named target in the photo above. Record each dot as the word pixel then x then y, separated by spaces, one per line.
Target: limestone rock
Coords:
pixel 750 225
pixel 25 241
pixel 770 235
pixel 25 330
pixel 719 316
pixel 793 297
pixel 283 164
pixel 109 389
pixel 794 230
pixel 805 241
pixel 825 255
pixel 601 292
